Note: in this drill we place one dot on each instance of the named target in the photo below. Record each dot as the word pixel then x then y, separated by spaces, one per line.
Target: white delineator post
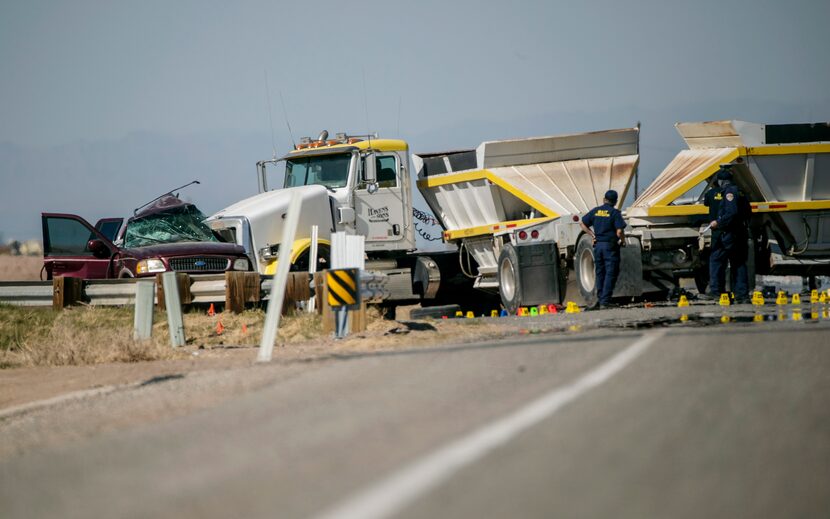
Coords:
pixel 312 266
pixel 174 309
pixel 143 324
pixel 272 315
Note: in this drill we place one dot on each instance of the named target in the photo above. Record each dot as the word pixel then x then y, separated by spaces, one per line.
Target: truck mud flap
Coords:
pixel 540 273
pixel 630 280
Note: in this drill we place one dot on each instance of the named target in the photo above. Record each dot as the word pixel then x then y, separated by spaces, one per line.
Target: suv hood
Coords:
pixel 187 248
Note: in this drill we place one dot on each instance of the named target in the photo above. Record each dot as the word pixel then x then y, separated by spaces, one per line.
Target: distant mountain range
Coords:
pixel 112 177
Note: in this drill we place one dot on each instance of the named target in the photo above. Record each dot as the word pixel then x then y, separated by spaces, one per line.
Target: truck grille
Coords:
pixel 199 263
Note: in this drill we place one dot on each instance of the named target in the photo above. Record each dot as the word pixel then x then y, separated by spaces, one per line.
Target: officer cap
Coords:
pixel 725 174
pixel 611 196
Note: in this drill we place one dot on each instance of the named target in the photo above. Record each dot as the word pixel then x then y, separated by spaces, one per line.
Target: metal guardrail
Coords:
pixel 110 292
pixel 26 293
pixel 204 288
pixel 208 288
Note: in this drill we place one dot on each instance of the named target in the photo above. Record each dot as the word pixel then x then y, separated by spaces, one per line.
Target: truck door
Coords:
pixel 70 248
pixel 380 215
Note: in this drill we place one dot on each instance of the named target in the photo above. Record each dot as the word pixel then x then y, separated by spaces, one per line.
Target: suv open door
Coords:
pixel 109 227
pixel 72 247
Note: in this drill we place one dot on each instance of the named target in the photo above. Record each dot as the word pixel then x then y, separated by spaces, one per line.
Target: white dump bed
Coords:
pixel 523 180
pixel 782 167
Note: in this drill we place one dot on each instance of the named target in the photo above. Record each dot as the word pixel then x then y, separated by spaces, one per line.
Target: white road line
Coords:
pixel 392 494
pixel 75 395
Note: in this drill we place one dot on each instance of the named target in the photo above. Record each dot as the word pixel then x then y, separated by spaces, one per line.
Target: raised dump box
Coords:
pixel 513 204
pixel 509 183
pixel 783 168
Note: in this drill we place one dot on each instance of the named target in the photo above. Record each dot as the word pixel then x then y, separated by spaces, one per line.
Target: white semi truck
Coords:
pixel 354 184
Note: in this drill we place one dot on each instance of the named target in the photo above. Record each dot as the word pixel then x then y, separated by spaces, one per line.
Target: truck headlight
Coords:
pixel 149 266
pixel 271 252
pixel 241 264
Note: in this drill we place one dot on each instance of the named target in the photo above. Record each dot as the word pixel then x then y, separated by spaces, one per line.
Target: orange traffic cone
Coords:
pixel 219 328
pixel 211 311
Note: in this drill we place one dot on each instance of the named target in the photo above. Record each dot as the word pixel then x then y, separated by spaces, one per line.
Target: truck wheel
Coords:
pixel 586 276
pixel 510 282
pixel 302 263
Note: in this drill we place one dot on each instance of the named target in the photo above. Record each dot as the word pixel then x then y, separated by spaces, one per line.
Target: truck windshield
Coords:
pixel 331 171
pixel 183 224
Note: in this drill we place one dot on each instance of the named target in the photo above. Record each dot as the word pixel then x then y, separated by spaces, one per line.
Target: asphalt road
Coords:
pixel 709 422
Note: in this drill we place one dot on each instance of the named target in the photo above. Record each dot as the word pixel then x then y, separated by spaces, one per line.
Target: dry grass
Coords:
pixel 20 268
pixel 243 329
pixel 87 335
pixel 76 336
pixel 95 335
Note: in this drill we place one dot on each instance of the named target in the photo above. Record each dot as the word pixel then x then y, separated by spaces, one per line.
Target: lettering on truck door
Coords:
pixel 380 216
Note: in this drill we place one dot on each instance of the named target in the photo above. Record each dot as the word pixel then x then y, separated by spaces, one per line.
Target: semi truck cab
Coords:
pixel 355 184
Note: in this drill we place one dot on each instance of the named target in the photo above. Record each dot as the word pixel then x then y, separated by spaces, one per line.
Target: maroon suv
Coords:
pixel 167 235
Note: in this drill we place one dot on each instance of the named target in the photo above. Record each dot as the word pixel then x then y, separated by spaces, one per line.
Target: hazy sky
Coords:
pixel 88 80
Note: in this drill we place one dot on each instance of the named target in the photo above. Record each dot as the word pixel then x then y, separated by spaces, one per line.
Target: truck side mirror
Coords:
pixel 370 174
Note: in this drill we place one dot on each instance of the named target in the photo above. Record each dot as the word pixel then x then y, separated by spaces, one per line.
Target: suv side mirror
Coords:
pixel 370 174
pixel 98 249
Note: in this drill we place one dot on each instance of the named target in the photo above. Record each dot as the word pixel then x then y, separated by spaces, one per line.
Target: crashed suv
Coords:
pixel 167 235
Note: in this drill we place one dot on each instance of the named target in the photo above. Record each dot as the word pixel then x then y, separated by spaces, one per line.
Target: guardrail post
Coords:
pixel 66 291
pixel 320 296
pixel 241 288
pixel 182 286
pixel 296 290
pixel 173 306
pixel 145 292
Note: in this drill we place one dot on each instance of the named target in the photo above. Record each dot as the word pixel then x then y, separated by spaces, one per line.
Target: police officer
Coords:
pixel 729 242
pixel 712 200
pixel 608 237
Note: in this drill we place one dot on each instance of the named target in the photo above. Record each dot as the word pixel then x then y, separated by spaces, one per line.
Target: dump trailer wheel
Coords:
pixel 510 281
pixel 586 276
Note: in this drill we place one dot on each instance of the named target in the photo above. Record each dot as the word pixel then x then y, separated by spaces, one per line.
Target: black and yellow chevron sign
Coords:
pixel 344 287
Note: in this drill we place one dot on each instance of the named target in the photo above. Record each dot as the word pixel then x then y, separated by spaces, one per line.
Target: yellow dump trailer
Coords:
pixel 784 169
pixel 513 206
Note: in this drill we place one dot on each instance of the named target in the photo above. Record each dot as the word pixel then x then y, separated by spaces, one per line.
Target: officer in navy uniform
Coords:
pixel 712 200
pixel 729 245
pixel 608 237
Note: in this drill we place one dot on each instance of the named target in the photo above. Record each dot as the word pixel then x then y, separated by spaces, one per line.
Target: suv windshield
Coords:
pixel 181 224
pixel 331 171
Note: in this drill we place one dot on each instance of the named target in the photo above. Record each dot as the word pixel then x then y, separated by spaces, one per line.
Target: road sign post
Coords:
pixel 343 296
